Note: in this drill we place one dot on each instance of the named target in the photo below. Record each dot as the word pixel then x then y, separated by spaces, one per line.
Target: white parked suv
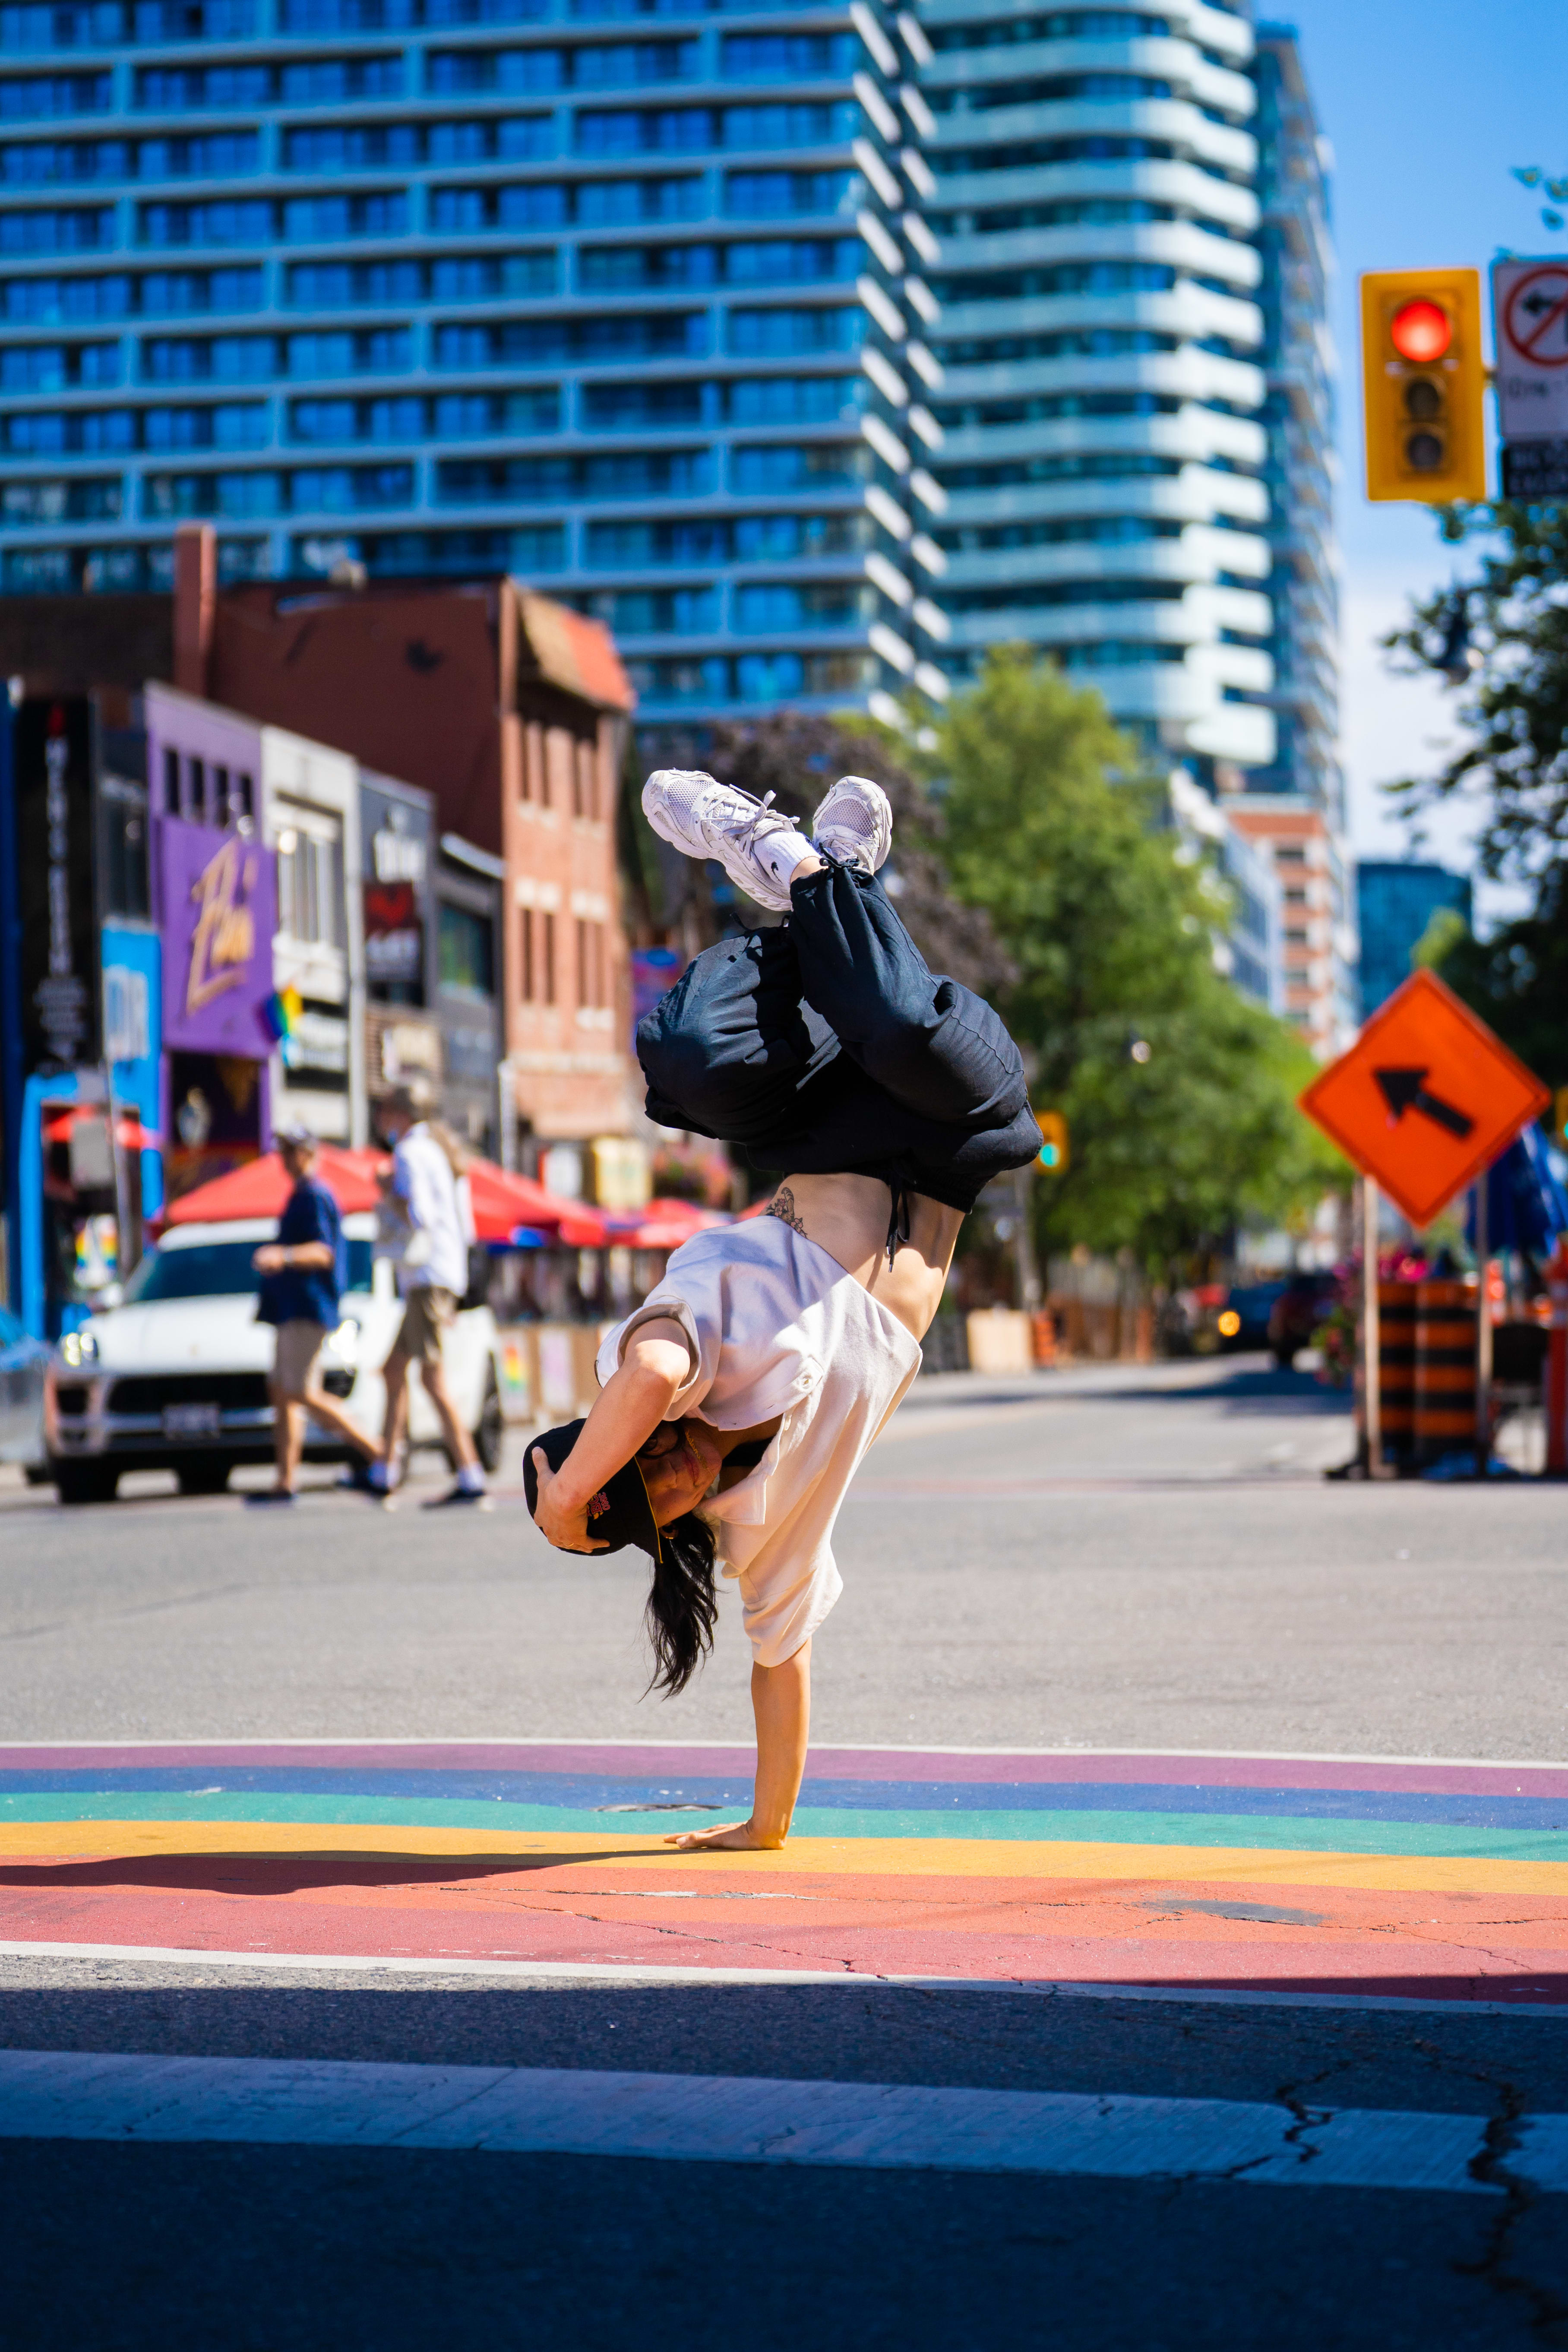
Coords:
pixel 176 1377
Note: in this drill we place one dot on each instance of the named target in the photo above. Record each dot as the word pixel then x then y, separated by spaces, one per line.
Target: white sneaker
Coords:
pixel 854 823
pixel 756 845
pixel 668 802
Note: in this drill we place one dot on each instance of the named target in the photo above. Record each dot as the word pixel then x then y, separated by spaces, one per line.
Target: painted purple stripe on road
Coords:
pixel 1044 1768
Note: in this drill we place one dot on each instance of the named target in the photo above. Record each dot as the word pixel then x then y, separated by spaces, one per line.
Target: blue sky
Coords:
pixel 1427 105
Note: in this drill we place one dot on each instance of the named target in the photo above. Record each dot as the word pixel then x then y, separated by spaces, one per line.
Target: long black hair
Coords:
pixel 681 1603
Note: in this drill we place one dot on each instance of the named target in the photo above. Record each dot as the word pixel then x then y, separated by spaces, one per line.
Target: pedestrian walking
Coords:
pixel 427 1190
pixel 302 1274
pixel 738 1401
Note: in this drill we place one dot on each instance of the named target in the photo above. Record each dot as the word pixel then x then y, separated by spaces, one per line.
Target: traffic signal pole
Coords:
pixel 1483 1332
pixel 1371 1332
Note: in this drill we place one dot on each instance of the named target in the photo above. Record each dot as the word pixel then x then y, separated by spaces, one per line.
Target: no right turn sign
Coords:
pixel 1530 319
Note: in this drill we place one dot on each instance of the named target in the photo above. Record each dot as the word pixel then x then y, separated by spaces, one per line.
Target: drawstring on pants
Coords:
pixel 898 1218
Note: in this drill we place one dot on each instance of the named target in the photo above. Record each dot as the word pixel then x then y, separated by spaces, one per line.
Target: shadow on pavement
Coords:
pixel 291 1875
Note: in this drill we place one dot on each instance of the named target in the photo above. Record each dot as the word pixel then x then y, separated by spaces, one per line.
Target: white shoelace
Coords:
pixel 762 823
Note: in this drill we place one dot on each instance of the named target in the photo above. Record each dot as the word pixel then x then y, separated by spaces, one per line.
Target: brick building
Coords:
pixel 1317 922
pixel 510 710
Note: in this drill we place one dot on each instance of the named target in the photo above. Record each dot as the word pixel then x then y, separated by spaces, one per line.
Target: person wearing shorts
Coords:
pixel 301 1276
pixel 739 1399
pixel 433 1277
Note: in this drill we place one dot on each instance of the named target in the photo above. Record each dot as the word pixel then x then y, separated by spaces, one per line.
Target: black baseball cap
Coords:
pixel 619 1514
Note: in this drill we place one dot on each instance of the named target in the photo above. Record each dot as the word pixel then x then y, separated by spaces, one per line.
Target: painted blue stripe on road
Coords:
pixel 74 2094
pixel 1259 1832
pixel 583 1792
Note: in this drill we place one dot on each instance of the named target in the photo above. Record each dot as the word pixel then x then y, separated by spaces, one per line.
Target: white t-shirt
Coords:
pixel 423 1181
pixel 775 1326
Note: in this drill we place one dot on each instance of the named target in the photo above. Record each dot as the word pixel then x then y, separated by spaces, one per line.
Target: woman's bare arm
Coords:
pixel 626 1411
pixel 780 1701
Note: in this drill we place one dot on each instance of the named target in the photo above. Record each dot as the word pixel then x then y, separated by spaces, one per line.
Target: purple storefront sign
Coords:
pixel 219 911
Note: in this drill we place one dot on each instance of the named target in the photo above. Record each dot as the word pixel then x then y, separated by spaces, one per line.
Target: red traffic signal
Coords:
pixel 1421 332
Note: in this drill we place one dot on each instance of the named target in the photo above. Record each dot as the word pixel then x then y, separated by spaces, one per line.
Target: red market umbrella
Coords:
pixel 261 1187
pixel 504 1201
pixel 665 1224
pixel 128 1129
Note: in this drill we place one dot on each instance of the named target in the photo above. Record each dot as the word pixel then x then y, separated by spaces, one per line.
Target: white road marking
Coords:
pixel 703 2118
pixel 639 1972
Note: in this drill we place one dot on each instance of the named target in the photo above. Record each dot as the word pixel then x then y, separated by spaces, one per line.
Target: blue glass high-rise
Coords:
pixel 621 295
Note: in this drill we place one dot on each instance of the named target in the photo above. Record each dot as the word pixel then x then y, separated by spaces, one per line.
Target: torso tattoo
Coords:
pixel 782 1206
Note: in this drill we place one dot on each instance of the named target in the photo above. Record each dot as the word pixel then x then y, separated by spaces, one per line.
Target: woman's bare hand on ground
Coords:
pixel 566 1529
pixel 733 1837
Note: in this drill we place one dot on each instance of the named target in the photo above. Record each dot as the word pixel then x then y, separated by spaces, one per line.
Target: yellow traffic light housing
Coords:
pixel 1052 1155
pixel 1424 376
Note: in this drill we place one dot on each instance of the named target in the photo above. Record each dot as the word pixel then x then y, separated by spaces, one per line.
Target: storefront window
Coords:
pixel 467 950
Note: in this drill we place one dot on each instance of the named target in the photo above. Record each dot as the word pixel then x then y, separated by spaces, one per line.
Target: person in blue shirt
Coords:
pixel 302 1272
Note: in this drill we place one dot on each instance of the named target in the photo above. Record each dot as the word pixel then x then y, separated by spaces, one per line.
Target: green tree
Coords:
pixel 1512 706
pixel 1516 978
pixel 1178 1092
pixel 1513 703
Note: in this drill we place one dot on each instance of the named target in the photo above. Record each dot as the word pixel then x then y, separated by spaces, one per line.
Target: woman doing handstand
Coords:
pixel 739 1399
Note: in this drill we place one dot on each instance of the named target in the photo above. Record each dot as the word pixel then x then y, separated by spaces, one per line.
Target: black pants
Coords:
pixel 826 1044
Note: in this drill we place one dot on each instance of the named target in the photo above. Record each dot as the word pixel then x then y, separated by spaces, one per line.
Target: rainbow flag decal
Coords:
pixel 1432 1881
pixel 282 1013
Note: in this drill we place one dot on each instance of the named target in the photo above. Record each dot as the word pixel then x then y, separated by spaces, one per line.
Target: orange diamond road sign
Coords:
pixel 1426 1098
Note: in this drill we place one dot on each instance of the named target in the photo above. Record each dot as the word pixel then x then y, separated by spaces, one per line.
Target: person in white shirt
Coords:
pixel 429 1194
pixel 739 1399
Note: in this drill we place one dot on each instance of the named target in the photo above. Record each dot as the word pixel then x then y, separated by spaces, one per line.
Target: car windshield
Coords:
pixel 217 1270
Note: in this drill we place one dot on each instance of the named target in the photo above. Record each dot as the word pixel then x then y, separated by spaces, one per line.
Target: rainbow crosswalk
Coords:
pixel 1351 1876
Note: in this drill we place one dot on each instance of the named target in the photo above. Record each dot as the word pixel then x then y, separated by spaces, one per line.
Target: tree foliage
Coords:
pixel 1516 978
pixel 1514 705
pixel 1514 711
pixel 1052 828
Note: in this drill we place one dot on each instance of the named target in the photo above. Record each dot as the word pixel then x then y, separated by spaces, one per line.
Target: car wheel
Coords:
pixel 201 1477
pixel 86 1482
pixel 492 1426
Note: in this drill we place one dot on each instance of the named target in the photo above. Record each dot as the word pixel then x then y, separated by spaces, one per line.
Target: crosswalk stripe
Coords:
pixel 83 2096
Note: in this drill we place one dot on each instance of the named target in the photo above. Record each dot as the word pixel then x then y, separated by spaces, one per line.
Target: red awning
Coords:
pixel 262 1186
pixel 128 1130
pixel 502 1201
pixel 665 1224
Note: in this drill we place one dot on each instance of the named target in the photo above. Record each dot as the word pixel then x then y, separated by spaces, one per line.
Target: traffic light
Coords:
pixel 1052 1155
pixel 1424 376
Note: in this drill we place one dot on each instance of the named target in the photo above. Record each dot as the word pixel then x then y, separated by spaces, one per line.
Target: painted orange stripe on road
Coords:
pixel 943 1859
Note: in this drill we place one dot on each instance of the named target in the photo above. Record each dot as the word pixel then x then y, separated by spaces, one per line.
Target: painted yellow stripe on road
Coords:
pixel 842 1858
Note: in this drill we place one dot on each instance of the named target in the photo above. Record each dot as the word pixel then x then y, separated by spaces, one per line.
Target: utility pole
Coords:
pixel 1371 1332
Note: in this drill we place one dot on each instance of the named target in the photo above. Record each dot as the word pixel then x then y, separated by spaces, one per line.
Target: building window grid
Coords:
pixel 803 187
pixel 234 161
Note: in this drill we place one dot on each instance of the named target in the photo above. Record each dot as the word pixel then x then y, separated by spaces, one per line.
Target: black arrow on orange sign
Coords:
pixel 1405 1090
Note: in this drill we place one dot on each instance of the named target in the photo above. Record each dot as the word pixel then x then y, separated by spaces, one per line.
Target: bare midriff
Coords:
pixel 847 1217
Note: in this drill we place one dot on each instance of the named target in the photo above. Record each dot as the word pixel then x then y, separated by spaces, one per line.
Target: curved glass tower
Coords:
pixel 1101 338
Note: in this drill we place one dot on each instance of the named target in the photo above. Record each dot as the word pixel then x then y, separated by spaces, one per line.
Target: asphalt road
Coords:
pixel 1118 1559
pixel 265 2248
pixel 1123 1558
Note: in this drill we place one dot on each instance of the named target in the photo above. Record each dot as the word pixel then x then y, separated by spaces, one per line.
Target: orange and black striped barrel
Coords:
pixel 1396 1366
pixel 1445 1366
